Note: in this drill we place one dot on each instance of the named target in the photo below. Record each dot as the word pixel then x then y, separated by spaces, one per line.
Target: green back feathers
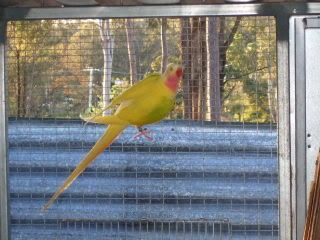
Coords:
pixel 138 89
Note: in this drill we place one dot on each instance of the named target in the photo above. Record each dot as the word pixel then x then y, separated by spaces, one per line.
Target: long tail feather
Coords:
pixel 107 138
pixel 112 119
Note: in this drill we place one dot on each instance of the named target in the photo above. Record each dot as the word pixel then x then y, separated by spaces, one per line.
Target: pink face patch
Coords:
pixel 173 82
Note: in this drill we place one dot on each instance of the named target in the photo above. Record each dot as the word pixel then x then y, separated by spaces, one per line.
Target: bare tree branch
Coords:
pixel 230 92
pixel 224 47
pixel 244 75
pixel 234 29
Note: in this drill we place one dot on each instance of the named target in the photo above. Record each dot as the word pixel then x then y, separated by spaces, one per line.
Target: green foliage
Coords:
pixel 249 58
pixel 49 58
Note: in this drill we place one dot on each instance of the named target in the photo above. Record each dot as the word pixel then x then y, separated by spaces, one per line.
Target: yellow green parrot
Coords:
pixel 148 101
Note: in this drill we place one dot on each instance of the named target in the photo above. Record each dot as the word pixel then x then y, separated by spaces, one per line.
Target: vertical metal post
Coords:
pixel 303 79
pixel 300 128
pixel 90 83
pixel 285 207
pixel 298 97
pixel 4 210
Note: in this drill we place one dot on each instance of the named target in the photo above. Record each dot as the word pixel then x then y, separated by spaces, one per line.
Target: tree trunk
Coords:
pixel 24 93
pixel 213 81
pixel 203 72
pixel 223 48
pixel 271 93
pixel 164 45
pixel 107 42
pixel 195 66
pixel 131 51
pixel 272 87
pixel 185 39
pixel 19 85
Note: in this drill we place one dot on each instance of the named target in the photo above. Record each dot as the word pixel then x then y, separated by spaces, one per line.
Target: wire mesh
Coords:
pixel 211 171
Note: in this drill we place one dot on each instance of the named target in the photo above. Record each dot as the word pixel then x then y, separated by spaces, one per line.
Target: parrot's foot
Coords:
pixel 143 132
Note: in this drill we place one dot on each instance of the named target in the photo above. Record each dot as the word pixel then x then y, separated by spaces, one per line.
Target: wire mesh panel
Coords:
pixel 208 171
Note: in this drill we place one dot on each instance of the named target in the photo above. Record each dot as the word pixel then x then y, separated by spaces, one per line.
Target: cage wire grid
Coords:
pixel 211 171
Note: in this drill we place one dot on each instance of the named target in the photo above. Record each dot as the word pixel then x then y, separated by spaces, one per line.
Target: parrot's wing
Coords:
pixel 140 88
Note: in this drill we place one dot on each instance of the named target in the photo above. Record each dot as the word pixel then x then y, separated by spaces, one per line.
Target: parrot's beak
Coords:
pixel 179 72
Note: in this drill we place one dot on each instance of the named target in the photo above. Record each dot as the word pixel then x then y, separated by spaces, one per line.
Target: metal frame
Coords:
pixel 4 209
pixel 298 111
pixel 290 147
pixel 298 134
pixel 264 9
pixel 284 159
pixel 304 147
pixel 312 24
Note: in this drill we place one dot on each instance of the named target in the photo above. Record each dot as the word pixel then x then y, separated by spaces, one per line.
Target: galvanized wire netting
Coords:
pixel 211 170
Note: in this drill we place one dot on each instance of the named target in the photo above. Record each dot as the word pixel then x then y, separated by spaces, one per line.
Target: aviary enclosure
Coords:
pixel 211 169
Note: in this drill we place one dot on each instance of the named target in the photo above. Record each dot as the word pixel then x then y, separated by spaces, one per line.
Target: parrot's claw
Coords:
pixel 143 132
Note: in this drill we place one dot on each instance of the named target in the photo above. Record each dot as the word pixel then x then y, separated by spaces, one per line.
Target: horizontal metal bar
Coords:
pixel 266 9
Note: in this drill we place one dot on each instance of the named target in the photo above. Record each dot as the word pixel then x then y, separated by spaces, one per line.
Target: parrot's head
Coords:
pixel 172 76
